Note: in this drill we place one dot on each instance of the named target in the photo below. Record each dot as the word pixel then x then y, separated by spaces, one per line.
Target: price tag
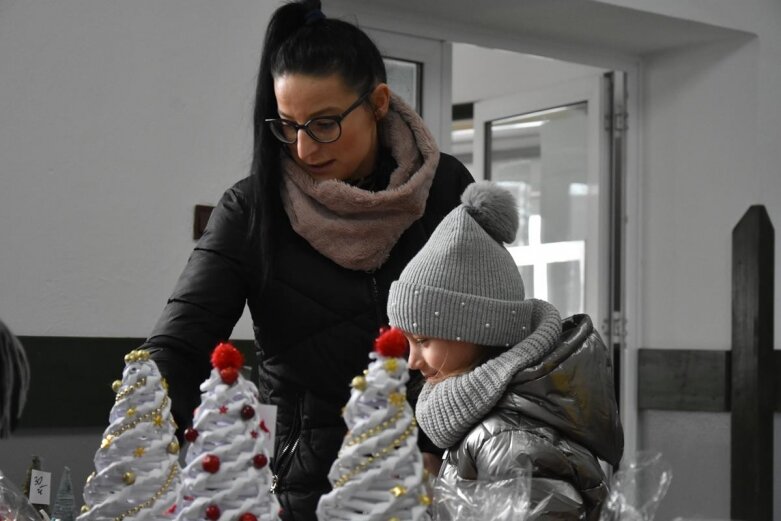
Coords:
pixel 40 487
pixel 267 416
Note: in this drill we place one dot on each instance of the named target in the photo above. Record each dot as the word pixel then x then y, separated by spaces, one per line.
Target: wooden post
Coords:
pixel 753 390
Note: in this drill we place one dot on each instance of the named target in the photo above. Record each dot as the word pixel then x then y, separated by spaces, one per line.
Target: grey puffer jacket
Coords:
pixel 561 417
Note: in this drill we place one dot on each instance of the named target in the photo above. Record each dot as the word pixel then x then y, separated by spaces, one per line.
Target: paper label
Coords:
pixel 267 420
pixel 40 487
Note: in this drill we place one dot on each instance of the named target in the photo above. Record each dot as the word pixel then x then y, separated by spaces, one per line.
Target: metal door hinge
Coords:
pixel 617 122
pixel 614 328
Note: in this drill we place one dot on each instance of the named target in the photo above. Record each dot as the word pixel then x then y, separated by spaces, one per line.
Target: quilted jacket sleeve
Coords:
pixel 206 303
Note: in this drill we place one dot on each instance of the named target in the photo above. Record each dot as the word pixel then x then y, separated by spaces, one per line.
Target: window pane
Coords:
pixel 541 158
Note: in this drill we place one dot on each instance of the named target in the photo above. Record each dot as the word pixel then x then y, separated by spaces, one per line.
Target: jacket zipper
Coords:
pixel 376 299
pixel 285 457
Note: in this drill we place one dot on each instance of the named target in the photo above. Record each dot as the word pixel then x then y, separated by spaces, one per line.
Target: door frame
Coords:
pixel 398 21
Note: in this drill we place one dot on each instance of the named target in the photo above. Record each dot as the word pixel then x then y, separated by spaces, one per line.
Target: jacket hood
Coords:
pixel 571 391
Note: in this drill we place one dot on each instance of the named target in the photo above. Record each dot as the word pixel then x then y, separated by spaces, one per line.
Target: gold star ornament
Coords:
pixel 397 399
pixel 391 364
pixel 139 452
pixel 398 490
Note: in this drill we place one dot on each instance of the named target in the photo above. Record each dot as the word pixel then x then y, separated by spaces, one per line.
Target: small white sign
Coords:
pixel 40 487
pixel 267 421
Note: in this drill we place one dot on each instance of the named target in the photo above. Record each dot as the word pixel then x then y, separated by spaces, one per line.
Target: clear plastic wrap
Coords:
pixel 468 500
pixel 637 488
pixel 14 506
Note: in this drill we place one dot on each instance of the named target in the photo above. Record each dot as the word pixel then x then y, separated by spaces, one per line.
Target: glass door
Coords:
pixel 549 149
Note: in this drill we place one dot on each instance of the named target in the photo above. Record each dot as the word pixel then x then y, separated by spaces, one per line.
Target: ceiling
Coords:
pixel 587 24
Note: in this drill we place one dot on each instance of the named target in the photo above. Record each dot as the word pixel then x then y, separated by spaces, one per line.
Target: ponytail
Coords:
pixel 299 40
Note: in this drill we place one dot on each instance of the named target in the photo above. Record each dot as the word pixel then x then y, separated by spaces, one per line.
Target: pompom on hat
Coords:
pixel 463 284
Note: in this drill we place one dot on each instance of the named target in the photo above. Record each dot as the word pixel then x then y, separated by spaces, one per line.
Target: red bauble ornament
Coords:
pixel 211 463
pixel 190 434
pixel 247 412
pixel 391 342
pixel 229 375
pixel 225 355
pixel 259 460
pixel 213 512
pixel 248 517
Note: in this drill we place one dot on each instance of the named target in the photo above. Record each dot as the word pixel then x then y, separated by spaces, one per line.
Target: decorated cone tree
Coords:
pixel 378 474
pixel 227 476
pixel 63 504
pixel 136 467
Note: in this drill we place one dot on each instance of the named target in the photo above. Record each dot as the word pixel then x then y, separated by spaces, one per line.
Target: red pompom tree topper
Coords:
pixel 391 342
pixel 225 355
pixel 227 360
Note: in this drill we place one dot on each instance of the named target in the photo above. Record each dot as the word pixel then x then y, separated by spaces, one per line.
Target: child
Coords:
pixel 508 383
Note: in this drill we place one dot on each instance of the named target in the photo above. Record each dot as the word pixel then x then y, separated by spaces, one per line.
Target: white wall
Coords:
pixel 117 119
pixel 711 129
pixel 480 73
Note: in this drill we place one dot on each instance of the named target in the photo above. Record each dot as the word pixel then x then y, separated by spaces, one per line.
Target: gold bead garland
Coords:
pixel 172 472
pixel 121 395
pixel 360 438
pixel 370 459
pixel 144 417
pixel 107 441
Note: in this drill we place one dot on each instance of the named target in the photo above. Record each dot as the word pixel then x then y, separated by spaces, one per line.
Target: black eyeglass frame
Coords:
pixel 305 127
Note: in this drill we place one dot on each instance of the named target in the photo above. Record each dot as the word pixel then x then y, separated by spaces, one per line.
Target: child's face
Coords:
pixel 438 359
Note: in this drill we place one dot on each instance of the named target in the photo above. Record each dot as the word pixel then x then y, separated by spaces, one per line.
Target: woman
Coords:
pixel 345 187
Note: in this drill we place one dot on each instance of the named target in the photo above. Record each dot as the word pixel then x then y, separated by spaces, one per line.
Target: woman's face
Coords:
pixel 301 97
pixel 438 359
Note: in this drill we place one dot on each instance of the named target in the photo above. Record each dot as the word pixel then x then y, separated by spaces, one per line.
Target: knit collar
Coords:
pixel 448 410
pixel 354 227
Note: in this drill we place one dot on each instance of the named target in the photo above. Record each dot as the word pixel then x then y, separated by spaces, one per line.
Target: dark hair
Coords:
pixel 299 39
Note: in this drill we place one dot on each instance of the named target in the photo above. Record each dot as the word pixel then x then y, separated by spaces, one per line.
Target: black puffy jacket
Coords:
pixel 314 326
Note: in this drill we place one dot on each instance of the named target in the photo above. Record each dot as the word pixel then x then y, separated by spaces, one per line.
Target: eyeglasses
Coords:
pixel 323 129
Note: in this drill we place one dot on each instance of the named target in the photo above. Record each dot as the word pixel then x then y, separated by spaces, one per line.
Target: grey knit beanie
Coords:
pixel 463 284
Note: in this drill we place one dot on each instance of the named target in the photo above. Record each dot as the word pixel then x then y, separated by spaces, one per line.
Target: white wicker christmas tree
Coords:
pixel 227 477
pixel 137 468
pixel 378 474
